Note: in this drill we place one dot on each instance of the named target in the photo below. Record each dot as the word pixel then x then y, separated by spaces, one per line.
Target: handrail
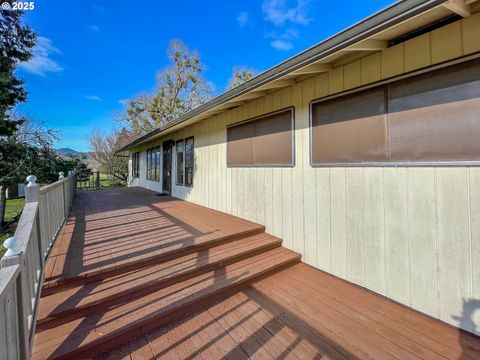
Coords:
pixel 22 267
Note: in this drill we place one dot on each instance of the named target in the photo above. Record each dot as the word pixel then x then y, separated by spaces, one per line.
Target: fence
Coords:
pixel 97 181
pixel 21 271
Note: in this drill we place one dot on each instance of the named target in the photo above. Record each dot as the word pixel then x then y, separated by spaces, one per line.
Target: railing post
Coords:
pixel 31 190
pixel 13 255
pixel 61 177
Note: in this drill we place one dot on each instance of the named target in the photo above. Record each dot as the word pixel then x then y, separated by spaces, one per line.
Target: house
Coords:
pixel 360 152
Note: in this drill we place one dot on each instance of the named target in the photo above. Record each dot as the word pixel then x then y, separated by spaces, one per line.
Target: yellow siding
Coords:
pixel 335 80
pixel 417 52
pixel 446 42
pixel 352 75
pixel 470 34
pixel 371 69
pixel 412 234
pixel 393 61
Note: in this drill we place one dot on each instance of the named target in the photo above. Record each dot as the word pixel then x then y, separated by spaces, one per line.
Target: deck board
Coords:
pixel 295 313
pixel 130 226
pixel 286 315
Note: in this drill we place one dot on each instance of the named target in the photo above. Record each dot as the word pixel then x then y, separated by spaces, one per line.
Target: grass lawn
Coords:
pixel 105 182
pixel 12 209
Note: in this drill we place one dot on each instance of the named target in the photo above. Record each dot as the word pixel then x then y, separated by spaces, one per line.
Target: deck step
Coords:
pixel 171 250
pixel 83 299
pixel 100 331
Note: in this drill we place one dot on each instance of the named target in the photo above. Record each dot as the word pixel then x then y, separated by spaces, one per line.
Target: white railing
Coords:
pixel 21 268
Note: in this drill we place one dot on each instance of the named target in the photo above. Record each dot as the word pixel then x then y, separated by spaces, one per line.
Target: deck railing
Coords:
pixel 21 268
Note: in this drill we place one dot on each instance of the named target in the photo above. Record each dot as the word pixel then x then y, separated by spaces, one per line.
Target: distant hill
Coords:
pixel 66 151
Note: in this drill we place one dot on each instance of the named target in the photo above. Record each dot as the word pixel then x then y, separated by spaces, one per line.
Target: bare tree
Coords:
pixel 103 147
pixel 240 75
pixel 181 87
pixel 28 150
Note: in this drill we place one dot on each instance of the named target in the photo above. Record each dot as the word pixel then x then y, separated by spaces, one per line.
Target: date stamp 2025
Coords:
pixel 18 5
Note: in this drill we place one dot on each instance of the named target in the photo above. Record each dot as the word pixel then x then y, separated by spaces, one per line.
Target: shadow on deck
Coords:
pixel 135 275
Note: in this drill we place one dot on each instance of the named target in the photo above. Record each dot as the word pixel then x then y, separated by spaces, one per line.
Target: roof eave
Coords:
pixel 362 30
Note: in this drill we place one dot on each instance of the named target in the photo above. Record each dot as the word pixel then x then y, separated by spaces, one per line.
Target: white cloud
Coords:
pixel 93 28
pixel 279 12
pixel 41 63
pixel 283 45
pixel 242 19
pixel 93 97
pixel 288 34
pixel 282 41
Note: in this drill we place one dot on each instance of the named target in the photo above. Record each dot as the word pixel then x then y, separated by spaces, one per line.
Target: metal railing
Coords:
pixel 22 266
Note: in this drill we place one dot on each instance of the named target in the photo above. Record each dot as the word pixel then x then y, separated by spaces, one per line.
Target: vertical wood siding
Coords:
pixel 411 234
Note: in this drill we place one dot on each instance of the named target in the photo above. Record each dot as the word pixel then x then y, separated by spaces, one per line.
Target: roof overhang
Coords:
pixel 370 35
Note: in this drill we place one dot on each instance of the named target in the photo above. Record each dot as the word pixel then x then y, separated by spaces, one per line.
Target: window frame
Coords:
pixel 158 156
pixel 135 167
pixel 148 163
pixel 292 119
pixel 176 162
pixel 153 164
pixel 185 162
pixel 385 83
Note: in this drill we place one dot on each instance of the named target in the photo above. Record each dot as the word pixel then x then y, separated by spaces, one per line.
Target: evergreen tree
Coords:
pixel 16 44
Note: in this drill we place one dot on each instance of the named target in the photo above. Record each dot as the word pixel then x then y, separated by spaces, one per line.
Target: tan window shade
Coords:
pixel 436 117
pixel 265 141
pixel 350 129
pixel 427 118
pixel 240 144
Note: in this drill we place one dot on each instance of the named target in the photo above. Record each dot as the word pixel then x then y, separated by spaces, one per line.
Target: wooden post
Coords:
pixel 13 255
pixel 97 181
pixel 31 190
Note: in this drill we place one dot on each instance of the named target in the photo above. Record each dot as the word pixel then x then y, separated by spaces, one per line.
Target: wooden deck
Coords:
pixel 138 276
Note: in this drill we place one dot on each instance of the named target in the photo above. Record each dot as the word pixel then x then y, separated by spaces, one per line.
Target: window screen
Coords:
pixel 425 118
pixel 350 129
pixel 264 141
pixel 189 161
pixel 436 117
pixel 180 162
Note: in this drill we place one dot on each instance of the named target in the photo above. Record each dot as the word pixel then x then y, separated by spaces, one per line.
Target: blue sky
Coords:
pixel 92 54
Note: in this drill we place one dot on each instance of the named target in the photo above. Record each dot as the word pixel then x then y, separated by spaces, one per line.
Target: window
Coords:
pixel 153 164
pixel 135 165
pixel 149 164
pixel 427 118
pixel 189 161
pixel 180 163
pixel 264 141
pixel 157 164
pixel 350 129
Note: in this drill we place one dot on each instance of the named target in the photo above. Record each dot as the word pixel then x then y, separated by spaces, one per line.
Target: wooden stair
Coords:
pixel 87 315
pixel 167 251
